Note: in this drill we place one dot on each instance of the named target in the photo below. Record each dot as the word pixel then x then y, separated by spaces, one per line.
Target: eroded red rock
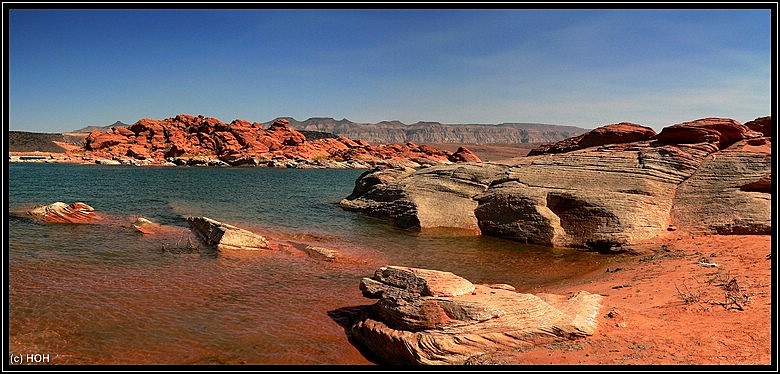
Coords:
pixel 243 143
pixel 721 132
pixel 617 133
pixel 464 155
pixel 101 140
pixel 763 125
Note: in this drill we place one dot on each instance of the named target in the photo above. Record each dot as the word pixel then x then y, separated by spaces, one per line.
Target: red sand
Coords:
pixel 667 308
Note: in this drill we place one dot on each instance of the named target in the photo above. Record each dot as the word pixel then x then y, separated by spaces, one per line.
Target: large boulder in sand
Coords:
pixel 434 317
pixel 60 212
pixel 222 236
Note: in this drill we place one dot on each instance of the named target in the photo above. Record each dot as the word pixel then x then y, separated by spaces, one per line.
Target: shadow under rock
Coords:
pixel 346 317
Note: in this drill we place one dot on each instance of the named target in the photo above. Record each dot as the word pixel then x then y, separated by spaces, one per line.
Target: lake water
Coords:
pixel 104 294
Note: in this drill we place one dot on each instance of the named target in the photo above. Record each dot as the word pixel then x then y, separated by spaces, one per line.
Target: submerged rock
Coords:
pixel 222 236
pixel 321 253
pixel 60 212
pixel 434 317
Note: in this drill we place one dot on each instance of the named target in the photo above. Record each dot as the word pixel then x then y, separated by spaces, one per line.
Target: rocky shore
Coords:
pixel 684 214
pixel 603 190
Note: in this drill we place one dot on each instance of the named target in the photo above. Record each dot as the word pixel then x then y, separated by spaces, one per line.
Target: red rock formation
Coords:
pixel 763 125
pixel 138 152
pixel 124 131
pixel 721 132
pixel 100 140
pixel 618 133
pixel 281 130
pixel 464 155
pixel 243 143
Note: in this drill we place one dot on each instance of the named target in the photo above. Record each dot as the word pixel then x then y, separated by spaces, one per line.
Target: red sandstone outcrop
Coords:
pixel 618 133
pixel 433 317
pixel 60 212
pixel 604 197
pixel 763 125
pixel 720 132
pixel 464 155
pixel 184 138
pixel 101 140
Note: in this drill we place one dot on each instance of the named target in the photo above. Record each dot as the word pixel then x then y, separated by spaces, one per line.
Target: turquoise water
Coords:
pixel 104 294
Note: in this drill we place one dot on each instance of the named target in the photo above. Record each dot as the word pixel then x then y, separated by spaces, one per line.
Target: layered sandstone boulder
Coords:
pixel 708 175
pixel 60 212
pixel 434 317
pixel 221 236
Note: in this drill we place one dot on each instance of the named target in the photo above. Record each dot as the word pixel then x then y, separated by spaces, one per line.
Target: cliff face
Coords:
pixel 435 132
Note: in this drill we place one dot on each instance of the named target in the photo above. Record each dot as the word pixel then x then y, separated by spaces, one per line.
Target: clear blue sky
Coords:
pixel 73 68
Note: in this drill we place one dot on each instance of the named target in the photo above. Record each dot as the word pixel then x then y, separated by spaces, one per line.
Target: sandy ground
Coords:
pixel 676 300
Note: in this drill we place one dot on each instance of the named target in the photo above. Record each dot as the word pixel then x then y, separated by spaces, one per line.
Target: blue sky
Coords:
pixel 72 68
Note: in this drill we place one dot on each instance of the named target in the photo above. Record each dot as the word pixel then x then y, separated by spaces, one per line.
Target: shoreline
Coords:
pixel 668 304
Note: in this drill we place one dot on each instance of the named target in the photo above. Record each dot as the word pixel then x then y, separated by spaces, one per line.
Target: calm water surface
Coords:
pixel 103 294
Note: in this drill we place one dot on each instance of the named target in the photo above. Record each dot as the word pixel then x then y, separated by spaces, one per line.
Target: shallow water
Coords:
pixel 103 294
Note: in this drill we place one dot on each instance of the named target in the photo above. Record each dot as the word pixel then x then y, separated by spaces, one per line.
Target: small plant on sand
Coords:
pixel 735 297
pixel 688 296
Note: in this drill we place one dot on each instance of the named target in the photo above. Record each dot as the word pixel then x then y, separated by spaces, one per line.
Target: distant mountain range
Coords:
pixel 90 129
pixel 436 132
pixel 420 132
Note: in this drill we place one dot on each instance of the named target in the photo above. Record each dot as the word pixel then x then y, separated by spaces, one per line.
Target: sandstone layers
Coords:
pixel 434 317
pixel 605 189
pixel 60 212
pixel 198 140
